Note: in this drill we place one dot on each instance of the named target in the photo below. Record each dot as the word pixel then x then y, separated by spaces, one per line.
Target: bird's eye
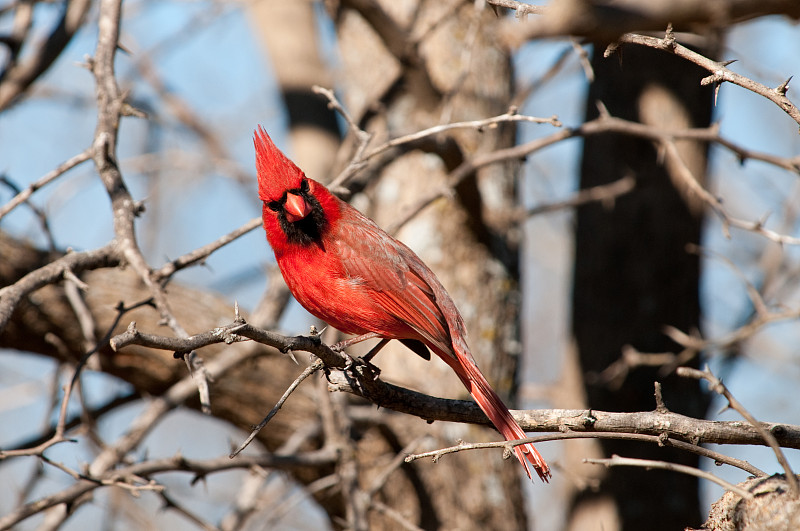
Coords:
pixel 275 206
pixel 304 185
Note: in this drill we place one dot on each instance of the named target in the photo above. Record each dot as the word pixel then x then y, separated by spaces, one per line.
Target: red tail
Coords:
pixel 498 413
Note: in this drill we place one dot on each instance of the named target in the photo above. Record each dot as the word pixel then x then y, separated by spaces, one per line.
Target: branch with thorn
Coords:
pixel 356 377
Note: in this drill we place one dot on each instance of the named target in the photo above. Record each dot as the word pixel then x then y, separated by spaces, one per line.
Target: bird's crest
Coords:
pixel 276 173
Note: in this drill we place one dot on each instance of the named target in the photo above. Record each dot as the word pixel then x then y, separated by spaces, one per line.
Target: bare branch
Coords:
pixel 718 387
pixel 201 253
pixel 660 440
pixel 361 157
pixel 17 77
pixel 755 297
pixel 362 137
pixel 40 214
pixel 719 71
pixel 478 125
pixel 171 503
pixel 616 460
pixel 110 107
pixel 353 376
pixel 605 124
pixel 10 296
pixel 311 369
pixel 199 468
pixel 64 167
pixel 601 21
pixel 736 336
pixel 604 193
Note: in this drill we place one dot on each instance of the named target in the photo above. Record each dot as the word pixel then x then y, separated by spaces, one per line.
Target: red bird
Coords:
pixel 342 268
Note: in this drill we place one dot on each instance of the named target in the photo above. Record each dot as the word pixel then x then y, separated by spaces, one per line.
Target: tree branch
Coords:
pixel 719 70
pixel 10 296
pixel 200 468
pixel 605 21
pixel 17 77
pixel 616 460
pixel 354 376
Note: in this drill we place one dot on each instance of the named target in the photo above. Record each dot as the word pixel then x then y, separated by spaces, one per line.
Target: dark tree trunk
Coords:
pixel 634 275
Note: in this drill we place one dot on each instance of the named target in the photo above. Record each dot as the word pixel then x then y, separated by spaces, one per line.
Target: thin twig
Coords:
pixel 311 369
pixel 200 468
pixel 201 253
pixel 605 124
pixel 284 505
pixel 733 338
pixel 661 440
pixel 50 176
pixel 360 157
pixel 40 214
pixel 394 515
pixel 487 123
pixel 379 482
pixel 171 503
pixel 753 294
pixel 616 460
pixel 39 56
pixel 718 387
pixel 363 138
pixel 604 193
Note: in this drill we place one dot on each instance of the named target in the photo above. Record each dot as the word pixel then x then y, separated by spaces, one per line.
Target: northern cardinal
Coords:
pixel 345 270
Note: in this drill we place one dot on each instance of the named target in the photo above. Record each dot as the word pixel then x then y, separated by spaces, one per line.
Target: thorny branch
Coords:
pixel 111 107
pixel 353 376
pixel 605 124
pixel 720 72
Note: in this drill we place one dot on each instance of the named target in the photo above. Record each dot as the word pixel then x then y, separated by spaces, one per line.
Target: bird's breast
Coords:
pixel 322 286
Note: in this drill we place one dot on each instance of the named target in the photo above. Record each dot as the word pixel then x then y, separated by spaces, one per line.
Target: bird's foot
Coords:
pixel 341 345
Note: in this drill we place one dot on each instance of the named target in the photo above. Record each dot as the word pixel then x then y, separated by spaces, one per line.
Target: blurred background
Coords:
pixel 552 294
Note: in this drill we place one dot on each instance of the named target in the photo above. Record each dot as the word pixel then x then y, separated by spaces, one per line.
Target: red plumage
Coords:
pixel 345 270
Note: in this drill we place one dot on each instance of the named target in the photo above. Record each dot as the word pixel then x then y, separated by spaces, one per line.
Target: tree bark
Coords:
pixel 408 66
pixel 633 274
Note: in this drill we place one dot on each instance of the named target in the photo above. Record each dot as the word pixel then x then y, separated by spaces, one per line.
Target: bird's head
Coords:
pixel 290 198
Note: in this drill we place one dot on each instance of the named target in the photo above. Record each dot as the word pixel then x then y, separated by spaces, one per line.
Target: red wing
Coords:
pixel 399 282
pixel 419 310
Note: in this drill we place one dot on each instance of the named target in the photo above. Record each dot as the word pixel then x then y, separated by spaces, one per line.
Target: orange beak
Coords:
pixel 296 208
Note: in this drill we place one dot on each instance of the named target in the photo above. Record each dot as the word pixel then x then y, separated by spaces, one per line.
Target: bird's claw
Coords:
pixel 339 347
